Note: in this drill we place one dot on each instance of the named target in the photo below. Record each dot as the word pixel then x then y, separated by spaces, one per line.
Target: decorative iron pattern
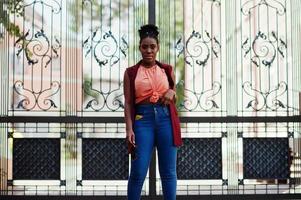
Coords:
pixel 266 158
pixel 106 49
pixel 195 53
pixel 38 46
pixel 36 159
pixel 104 159
pixel 264 55
pixel 200 158
pixel 198 48
pixel 201 50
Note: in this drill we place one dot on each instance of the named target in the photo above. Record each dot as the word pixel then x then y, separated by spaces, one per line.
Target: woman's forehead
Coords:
pixel 148 40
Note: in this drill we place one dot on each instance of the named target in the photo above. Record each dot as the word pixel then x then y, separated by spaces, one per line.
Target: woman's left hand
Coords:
pixel 168 97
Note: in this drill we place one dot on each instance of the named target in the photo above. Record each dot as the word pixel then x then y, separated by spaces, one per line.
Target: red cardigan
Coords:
pixel 132 73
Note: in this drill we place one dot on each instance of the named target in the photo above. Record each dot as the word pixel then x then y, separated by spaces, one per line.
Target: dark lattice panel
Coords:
pixel 200 158
pixel 104 159
pixel 36 159
pixel 266 158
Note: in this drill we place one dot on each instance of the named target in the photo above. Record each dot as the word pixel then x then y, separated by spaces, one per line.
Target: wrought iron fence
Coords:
pixel 43 158
pixel 238 81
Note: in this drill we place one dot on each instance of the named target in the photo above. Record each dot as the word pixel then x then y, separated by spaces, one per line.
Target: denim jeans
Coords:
pixel 152 127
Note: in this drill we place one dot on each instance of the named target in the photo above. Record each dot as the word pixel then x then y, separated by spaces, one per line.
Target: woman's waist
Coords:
pixel 147 105
pixel 150 96
pixel 148 100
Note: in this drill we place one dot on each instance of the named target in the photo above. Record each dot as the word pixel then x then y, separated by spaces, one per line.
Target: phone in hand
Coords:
pixel 132 151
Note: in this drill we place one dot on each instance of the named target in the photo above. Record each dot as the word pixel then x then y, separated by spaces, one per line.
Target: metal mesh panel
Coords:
pixel 36 159
pixel 266 158
pixel 200 158
pixel 104 159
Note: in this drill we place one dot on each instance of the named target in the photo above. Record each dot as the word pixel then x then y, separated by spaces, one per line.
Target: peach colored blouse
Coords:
pixel 150 82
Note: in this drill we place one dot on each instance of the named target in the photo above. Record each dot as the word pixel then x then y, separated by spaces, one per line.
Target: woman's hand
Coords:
pixel 130 137
pixel 168 96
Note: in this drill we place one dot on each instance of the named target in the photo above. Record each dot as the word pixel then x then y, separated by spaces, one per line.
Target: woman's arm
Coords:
pixel 127 109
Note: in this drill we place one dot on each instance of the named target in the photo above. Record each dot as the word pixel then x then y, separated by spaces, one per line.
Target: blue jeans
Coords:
pixel 152 127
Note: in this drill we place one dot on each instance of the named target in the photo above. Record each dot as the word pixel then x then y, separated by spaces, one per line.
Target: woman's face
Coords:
pixel 149 48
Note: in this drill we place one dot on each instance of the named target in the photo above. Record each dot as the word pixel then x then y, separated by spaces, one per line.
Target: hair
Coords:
pixel 149 30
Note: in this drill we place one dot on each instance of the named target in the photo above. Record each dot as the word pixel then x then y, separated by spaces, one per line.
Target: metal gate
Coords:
pixel 238 75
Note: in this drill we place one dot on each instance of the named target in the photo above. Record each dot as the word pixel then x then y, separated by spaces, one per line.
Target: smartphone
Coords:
pixel 132 151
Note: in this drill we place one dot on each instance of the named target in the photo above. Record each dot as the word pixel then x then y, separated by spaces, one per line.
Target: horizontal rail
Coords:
pixel 179 197
pixel 103 119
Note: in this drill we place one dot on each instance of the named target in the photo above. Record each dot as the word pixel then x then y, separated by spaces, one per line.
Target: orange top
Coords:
pixel 150 82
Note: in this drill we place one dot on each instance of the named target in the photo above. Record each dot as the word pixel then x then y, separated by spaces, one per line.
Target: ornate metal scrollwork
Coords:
pixel 260 99
pixel 32 99
pixel 264 48
pixel 39 52
pixel 263 51
pixel 113 100
pixel 198 49
pixel 105 49
pixel 249 5
pixel 204 99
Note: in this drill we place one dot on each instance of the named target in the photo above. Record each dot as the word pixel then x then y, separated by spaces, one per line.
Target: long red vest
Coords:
pixel 132 73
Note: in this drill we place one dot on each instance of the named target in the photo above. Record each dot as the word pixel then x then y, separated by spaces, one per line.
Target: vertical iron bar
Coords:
pixel 152 175
pixel 71 75
pixel 152 168
pixel 299 102
pixel 296 80
pixel 152 11
pixel 231 88
pixel 4 94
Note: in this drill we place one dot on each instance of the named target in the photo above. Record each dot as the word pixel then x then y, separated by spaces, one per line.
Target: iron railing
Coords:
pixel 238 95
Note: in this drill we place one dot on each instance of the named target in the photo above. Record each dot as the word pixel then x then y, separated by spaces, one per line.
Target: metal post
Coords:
pixel 300 103
pixel 152 11
pixel 231 88
pixel 152 168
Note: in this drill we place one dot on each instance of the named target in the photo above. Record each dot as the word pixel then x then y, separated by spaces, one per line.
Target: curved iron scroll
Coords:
pixel 274 4
pixel 106 45
pixel 39 51
pixel 106 52
pixel 263 50
pixel 198 50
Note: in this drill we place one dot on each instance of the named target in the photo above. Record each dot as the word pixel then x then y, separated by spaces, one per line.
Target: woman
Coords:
pixel 151 116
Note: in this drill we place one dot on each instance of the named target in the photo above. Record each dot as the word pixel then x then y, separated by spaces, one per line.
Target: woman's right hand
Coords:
pixel 130 137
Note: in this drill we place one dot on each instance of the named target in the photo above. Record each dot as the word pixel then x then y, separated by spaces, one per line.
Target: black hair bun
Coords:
pixel 148 30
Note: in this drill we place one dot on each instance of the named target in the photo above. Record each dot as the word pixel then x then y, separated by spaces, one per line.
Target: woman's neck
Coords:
pixel 148 65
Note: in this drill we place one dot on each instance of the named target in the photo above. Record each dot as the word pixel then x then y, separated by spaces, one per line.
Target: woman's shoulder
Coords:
pixel 132 68
pixel 164 65
pixel 132 72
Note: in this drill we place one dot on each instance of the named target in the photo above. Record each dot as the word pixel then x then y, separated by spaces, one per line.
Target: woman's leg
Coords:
pixel 167 155
pixel 144 138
